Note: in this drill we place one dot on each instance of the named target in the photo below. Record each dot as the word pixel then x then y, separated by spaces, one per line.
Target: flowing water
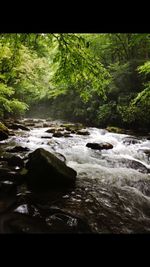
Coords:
pixel 113 186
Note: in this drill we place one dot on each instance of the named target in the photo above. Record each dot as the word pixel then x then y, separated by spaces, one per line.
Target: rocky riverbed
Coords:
pixel 58 177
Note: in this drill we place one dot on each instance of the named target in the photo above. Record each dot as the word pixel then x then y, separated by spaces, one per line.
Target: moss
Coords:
pixel 115 129
pixel 3 128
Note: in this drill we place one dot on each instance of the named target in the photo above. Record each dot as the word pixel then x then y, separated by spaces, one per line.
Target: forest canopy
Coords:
pixel 99 79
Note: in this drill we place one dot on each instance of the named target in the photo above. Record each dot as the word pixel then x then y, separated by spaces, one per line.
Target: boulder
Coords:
pixel 51 130
pixel 46 172
pixel 60 156
pixel 18 149
pixel 83 132
pixel 58 134
pixel 3 128
pixel 114 129
pixel 18 126
pixel 133 164
pixel 99 146
pixel 72 127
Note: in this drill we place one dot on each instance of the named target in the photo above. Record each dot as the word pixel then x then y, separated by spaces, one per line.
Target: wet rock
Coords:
pixel 136 165
pixel 18 126
pixel 28 120
pixel 130 140
pixel 72 127
pixel 3 132
pixel 6 174
pixel 3 135
pixel 67 125
pixel 15 161
pixel 46 137
pixel 99 146
pixel 15 222
pixel 46 171
pixel 114 129
pixel 3 158
pixel 128 163
pixel 38 120
pixel 55 130
pixel 83 132
pixel 146 151
pixel 30 124
pixel 51 130
pixel 17 121
pixel 18 149
pixel 7 195
pixel 67 135
pixel 3 128
pixel 142 185
pixel 46 125
pixel 60 156
pixel 58 134
pixel 60 129
pixel 64 223
pixel 11 133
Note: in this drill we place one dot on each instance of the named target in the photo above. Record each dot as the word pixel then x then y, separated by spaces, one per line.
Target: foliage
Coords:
pixel 100 79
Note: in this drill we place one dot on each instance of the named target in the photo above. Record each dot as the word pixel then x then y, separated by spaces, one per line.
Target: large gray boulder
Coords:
pixel 46 171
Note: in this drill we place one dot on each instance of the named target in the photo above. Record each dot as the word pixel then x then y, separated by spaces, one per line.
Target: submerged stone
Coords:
pixel 130 140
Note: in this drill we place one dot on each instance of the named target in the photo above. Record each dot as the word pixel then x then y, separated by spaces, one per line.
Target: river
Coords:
pixel 113 186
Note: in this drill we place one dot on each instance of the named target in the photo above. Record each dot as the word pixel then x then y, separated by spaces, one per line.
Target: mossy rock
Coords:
pixel 73 127
pixel 3 128
pixel 114 129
